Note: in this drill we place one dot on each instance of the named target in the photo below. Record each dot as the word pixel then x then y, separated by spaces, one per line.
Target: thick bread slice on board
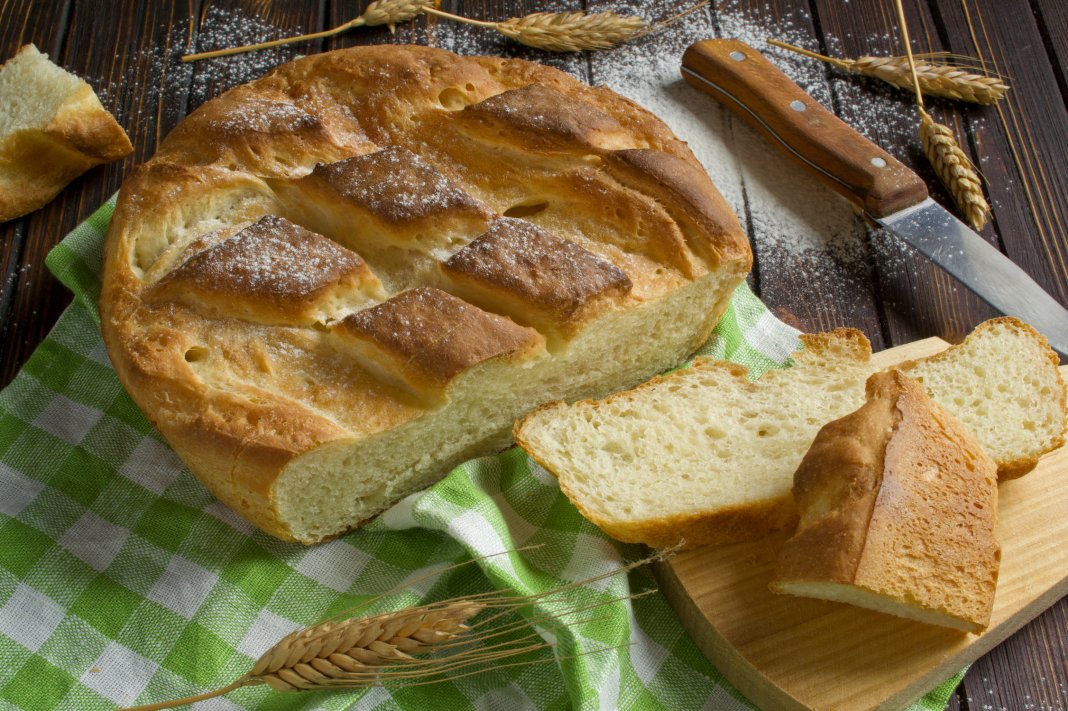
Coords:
pixel 1003 383
pixel 703 455
pixel 707 456
pixel 898 506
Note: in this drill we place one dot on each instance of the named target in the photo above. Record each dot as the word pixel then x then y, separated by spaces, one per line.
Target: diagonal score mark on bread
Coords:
pixel 468 237
pixel 272 271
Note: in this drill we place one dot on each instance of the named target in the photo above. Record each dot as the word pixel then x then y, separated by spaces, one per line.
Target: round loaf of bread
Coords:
pixel 335 283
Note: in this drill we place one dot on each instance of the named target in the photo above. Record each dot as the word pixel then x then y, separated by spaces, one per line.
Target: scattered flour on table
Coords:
pixel 797 226
pixel 179 87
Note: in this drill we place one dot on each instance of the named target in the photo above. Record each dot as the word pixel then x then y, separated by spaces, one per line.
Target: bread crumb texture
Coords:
pixel 706 456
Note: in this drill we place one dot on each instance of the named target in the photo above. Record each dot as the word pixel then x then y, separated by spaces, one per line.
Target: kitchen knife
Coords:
pixel 744 81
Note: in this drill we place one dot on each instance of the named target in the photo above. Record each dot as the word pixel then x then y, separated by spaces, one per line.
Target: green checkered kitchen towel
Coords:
pixel 123 581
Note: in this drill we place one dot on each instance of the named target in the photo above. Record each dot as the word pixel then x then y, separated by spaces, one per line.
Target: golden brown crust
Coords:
pixel 835 488
pixel 359 147
pixel 36 163
pixel 899 501
pixel 272 271
pixel 688 196
pixel 552 281
pixel 395 186
pixel 86 127
pixel 267 132
pixel 726 525
pixel 545 119
pixel 429 337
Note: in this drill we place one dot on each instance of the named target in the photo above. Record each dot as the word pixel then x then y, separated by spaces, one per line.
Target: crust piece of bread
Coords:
pixel 333 284
pixel 52 129
pixel 898 510
pixel 707 456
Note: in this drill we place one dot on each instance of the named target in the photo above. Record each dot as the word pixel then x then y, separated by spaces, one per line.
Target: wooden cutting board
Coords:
pixel 786 652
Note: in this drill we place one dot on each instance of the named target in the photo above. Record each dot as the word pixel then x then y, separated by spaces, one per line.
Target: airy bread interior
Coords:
pixel 33 90
pixel 705 455
pixel 1003 383
pixel 366 475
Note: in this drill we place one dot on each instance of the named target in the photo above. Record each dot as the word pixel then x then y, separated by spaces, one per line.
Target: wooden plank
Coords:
pixel 1036 112
pixel 785 652
pixel 1033 664
pixel 231 23
pixel 122 79
pixel 1051 17
pixel 918 299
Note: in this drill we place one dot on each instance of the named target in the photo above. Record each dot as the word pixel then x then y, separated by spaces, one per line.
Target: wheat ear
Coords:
pixel 936 78
pixel 380 12
pixel 939 144
pixel 348 652
pixel 356 651
pixel 561 31
pixel 954 170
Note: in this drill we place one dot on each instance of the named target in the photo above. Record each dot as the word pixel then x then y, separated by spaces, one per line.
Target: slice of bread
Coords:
pixel 1003 383
pixel 52 129
pixel 703 455
pixel 707 456
pixel 898 508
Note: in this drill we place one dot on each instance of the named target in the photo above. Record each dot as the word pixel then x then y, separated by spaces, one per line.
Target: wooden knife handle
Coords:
pixel 744 81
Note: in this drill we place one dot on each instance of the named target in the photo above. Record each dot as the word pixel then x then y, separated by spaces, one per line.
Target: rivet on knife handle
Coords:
pixel 754 89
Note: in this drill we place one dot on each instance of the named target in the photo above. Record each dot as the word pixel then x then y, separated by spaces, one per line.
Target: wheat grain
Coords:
pixel 942 79
pixel 347 652
pixel 354 651
pixel 945 80
pixel 954 170
pixel 552 31
pixel 392 12
pixel 572 31
pixel 941 148
pixel 561 31
pixel 361 651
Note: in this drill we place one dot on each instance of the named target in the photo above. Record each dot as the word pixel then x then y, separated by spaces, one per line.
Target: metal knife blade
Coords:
pixel 978 265
pixel 889 193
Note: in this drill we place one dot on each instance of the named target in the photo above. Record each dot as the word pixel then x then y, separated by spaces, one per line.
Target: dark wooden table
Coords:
pixel 128 51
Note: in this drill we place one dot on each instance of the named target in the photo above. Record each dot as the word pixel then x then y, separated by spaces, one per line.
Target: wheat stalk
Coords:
pixel 352 652
pixel 936 78
pixel 940 145
pixel 380 12
pixel 954 170
pixel 552 31
pixel 562 31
